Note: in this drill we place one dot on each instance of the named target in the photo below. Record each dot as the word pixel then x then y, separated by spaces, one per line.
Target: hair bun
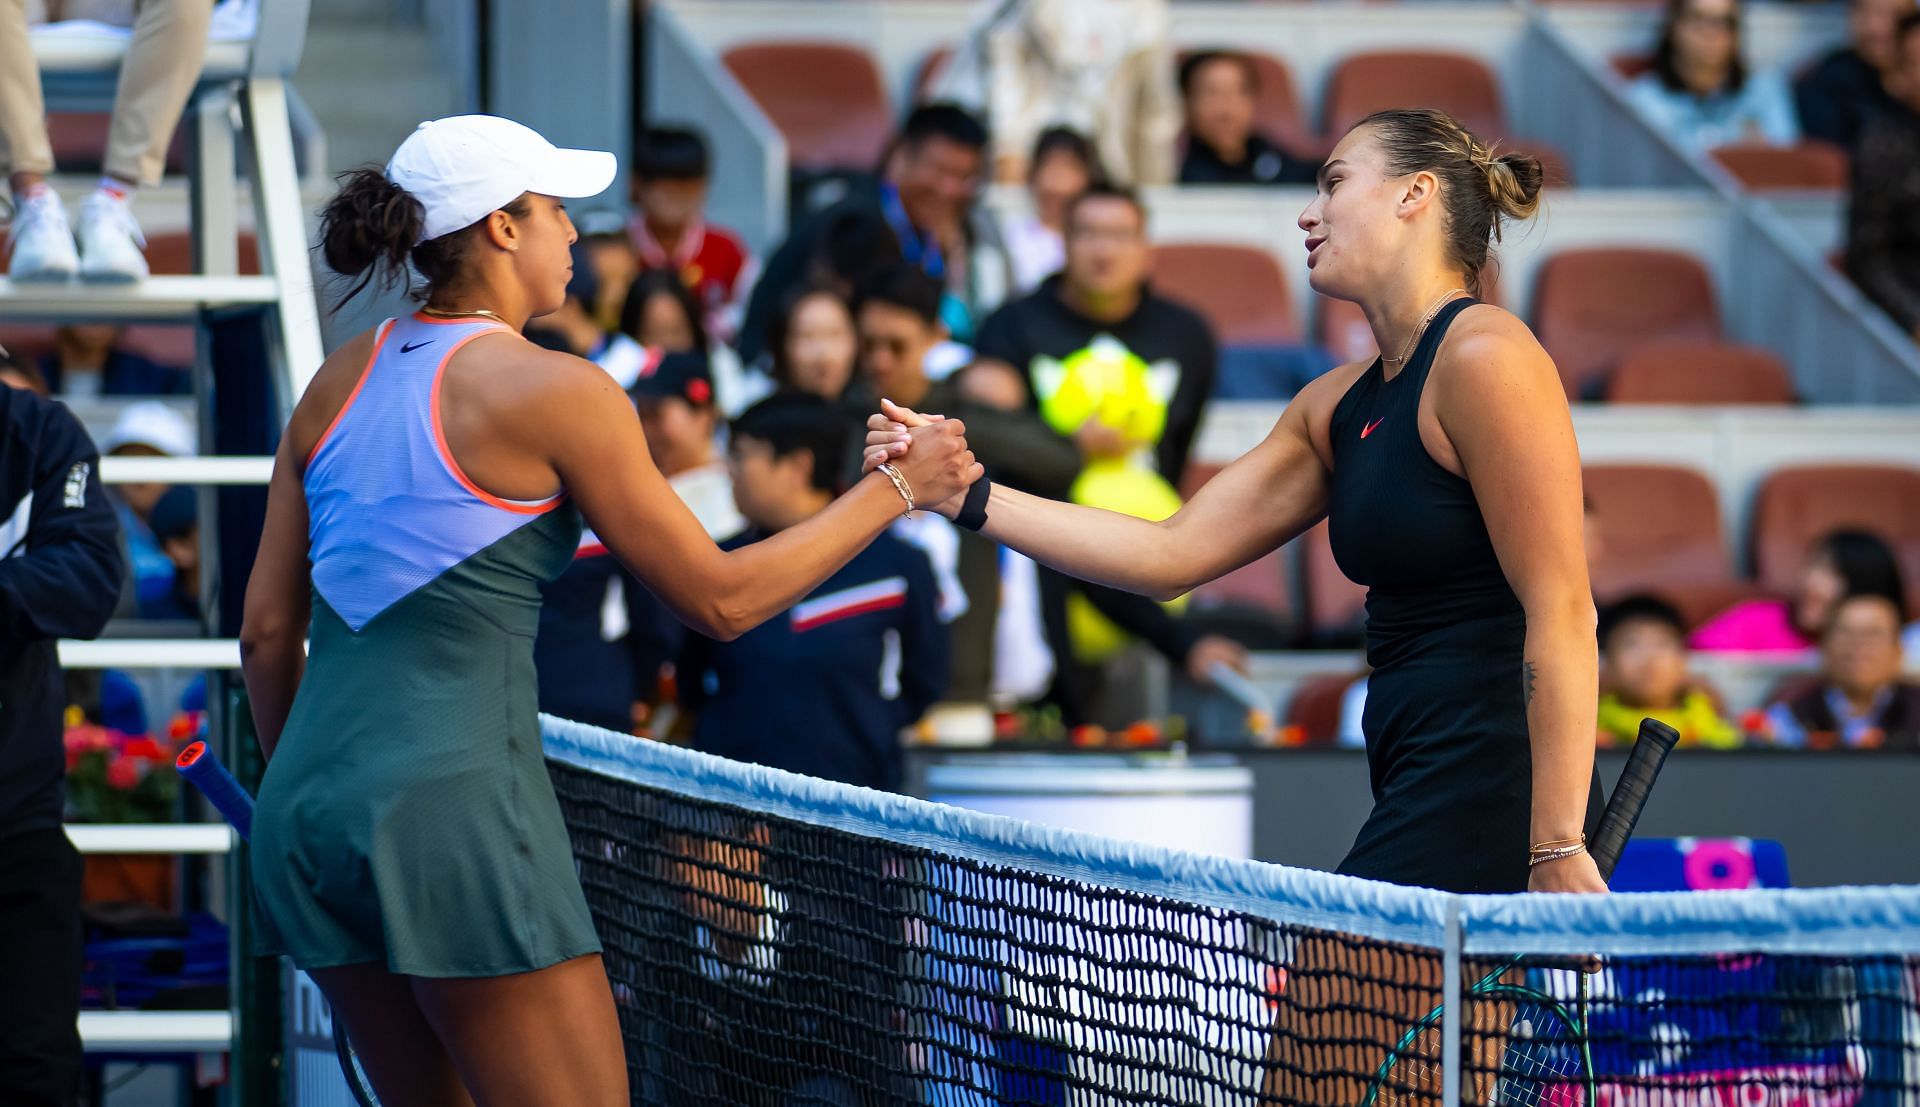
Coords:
pixel 1514 181
pixel 371 225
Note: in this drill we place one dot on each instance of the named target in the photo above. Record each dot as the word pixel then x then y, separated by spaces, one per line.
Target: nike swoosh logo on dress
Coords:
pixel 409 347
pixel 1364 431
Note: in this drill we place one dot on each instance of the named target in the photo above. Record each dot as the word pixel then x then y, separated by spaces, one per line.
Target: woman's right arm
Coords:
pixel 1267 497
pixel 273 628
pixel 592 437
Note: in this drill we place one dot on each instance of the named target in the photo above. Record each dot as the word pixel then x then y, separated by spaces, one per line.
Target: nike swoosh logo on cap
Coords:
pixel 409 347
pixel 1364 431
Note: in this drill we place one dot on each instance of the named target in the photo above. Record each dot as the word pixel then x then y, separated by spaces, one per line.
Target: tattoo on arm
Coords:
pixel 1526 688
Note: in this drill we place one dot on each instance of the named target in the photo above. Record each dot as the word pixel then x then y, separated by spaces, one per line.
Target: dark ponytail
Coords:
pixel 369 231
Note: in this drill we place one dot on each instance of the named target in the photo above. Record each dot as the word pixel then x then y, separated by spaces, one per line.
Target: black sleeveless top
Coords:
pixel 1446 726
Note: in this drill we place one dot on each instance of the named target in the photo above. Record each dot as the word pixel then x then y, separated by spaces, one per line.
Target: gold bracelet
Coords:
pixel 1561 854
pixel 1539 847
pixel 900 485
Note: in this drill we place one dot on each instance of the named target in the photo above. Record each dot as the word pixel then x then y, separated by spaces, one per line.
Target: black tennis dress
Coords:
pixel 1446 725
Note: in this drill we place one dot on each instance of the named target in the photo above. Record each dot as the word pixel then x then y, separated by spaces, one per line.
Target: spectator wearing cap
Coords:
pixel 88 360
pixel 1223 146
pixel 919 212
pixel 670 231
pixel 826 689
pixel 175 521
pixel 147 429
pixel 677 410
pixel 579 333
pixel 60 571
pixel 1860 701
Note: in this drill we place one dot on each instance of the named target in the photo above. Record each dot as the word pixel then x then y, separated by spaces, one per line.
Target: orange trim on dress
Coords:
pixel 446 452
pixel 378 343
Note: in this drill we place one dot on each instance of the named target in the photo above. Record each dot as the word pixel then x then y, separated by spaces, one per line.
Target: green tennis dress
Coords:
pixel 406 817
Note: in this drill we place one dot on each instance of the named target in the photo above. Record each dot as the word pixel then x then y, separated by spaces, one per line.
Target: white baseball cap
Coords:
pixel 464 167
pixel 153 424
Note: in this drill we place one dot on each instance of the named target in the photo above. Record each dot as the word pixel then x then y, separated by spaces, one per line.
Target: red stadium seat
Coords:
pixel 1592 307
pixel 1315 707
pixel 826 98
pixel 1630 66
pixel 1796 506
pixel 1700 373
pixel 170 253
pixel 1660 531
pixel 1460 85
pixel 1808 166
pixel 80 142
pixel 1336 607
pixel 1239 289
pixel 930 70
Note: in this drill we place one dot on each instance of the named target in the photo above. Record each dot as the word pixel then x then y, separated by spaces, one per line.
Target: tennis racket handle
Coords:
pixel 1650 751
pixel 199 765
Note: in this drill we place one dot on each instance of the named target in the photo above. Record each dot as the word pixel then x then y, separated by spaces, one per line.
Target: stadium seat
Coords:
pixel 1807 166
pixel 1700 373
pixel 1630 66
pixel 826 98
pixel 170 253
pixel 1336 607
pixel 1592 307
pixel 1795 506
pixel 1315 707
pixel 1660 532
pixel 1461 85
pixel 1239 289
pixel 930 69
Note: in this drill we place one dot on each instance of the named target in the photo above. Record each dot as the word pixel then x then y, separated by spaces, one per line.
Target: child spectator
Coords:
pixel 814 344
pixel 1063 166
pixel 675 398
pixel 148 429
pixel 175 520
pixel 577 331
pixel 1223 147
pixel 1860 701
pixel 1643 673
pixel 670 232
pixel 826 689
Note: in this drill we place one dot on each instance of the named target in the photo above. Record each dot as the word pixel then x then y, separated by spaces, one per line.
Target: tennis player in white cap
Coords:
pixel 408 850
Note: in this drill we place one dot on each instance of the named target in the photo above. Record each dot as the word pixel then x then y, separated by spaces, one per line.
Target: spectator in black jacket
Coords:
pixel 1103 297
pixel 920 212
pixel 60 572
pixel 826 689
pixel 1848 89
pixel 1012 645
pixel 1223 146
pixel 1883 224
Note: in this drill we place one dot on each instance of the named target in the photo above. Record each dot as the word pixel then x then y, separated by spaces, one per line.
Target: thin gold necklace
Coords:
pixel 483 313
pixel 1422 328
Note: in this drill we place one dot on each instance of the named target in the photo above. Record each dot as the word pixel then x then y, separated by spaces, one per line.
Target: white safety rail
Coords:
pixel 240 118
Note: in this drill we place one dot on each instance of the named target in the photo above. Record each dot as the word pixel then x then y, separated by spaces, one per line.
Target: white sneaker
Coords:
pixel 42 241
pixel 110 241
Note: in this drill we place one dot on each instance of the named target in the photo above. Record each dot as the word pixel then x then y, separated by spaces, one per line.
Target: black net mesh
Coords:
pixel 758 959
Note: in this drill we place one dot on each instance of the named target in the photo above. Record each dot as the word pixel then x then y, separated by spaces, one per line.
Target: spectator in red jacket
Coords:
pixel 670 230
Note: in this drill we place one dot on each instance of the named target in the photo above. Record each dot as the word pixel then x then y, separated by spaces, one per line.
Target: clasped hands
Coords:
pixel 929 450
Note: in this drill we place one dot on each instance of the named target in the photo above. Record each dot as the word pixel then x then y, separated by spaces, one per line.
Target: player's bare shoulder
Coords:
pixel 1311 409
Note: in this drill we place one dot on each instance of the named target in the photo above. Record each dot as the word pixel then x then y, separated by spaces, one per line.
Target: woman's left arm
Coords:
pixel 1502 406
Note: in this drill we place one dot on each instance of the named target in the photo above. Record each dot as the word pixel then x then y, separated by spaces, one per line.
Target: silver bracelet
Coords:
pixel 900 485
pixel 1537 857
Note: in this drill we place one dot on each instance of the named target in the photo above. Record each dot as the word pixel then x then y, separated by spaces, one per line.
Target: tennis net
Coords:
pixel 775 939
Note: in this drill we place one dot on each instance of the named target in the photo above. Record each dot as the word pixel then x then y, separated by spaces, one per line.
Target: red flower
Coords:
pixel 123 775
pixel 146 749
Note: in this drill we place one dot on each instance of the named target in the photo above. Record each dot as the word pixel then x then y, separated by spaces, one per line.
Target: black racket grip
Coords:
pixel 1650 751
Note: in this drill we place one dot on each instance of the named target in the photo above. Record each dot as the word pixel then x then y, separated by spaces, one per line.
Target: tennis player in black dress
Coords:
pixel 1449 473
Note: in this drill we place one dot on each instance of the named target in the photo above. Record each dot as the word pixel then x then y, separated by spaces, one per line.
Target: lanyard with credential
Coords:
pixel 918 249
